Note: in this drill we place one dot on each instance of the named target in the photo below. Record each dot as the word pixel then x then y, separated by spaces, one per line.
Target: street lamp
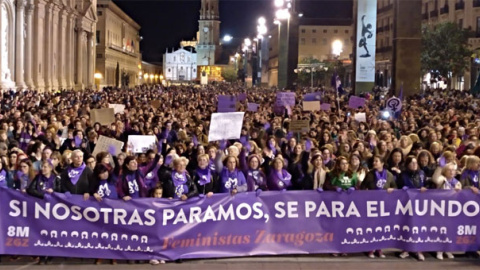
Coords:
pixel 279 3
pixel 337 48
pixel 227 38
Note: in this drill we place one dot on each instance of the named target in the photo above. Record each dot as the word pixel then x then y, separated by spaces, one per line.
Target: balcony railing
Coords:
pixel 384 49
pixel 425 16
pixel 385 8
pixel 379 29
pixel 460 5
pixel 433 13
pixel 121 49
pixel 444 10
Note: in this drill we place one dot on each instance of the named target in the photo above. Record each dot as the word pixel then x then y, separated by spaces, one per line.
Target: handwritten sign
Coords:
pixel 311 105
pixel 104 143
pixel 103 116
pixel 141 143
pixel 117 108
pixel 300 125
pixel 285 98
pixel 225 126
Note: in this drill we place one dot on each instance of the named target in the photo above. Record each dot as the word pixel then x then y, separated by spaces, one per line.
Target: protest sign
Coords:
pixel 356 102
pixel 394 105
pixel 117 108
pixel 285 98
pixel 300 125
pixel 227 104
pixel 246 224
pixel 252 107
pixel 103 116
pixel 155 104
pixel 141 143
pixel 325 106
pixel 225 126
pixel 104 143
pixel 360 117
pixel 311 105
pixel 312 96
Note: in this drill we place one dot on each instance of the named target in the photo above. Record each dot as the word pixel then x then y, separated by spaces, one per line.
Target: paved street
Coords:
pixel 355 261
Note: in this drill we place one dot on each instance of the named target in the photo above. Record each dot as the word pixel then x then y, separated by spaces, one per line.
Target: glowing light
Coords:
pixel 227 38
pixel 337 47
pixel 279 3
pixel 282 14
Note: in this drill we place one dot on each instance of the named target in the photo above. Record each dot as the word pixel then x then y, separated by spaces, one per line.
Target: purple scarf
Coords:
pixel 3 178
pixel 133 187
pixel 284 179
pixel 257 177
pixel 451 183
pixel 204 176
pixel 380 179
pixel 180 183
pixel 211 165
pixel 23 179
pixel 74 173
pixel 45 183
pixel 473 177
pixel 272 147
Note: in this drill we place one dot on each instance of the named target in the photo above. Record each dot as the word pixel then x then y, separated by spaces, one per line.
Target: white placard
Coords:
pixel 117 108
pixel 103 143
pixel 360 117
pixel 311 106
pixel 366 34
pixel 394 105
pixel 141 143
pixel 225 126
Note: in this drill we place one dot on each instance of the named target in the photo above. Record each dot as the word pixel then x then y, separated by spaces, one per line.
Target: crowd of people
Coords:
pixel 47 141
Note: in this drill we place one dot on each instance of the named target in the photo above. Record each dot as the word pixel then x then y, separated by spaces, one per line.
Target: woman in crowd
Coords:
pixel 179 185
pixel 357 167
pixel 341 178
pixel 24 175
pixel 279 178
pixel 315 177
pixel 131 183
pixel 427 163
pixel 470 175
pixel 232 179
pixel 379 178
pixel 395 162
pixel 5 178
pixel 46 181
pixel 205 179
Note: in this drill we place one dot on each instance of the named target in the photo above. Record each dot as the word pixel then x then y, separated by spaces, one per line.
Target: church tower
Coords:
pixel 208 47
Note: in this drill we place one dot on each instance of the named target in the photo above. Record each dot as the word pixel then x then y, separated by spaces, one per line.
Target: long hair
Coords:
pixel 337 170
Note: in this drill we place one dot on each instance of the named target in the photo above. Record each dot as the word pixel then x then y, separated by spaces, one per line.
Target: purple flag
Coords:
pixel 227 104
pixel 312 96
pixel 242 97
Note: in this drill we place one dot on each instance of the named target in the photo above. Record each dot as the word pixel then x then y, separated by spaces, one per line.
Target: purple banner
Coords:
pixel 292 222
pixel 242 97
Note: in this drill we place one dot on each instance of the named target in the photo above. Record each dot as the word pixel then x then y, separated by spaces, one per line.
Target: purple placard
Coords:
pixel 252 107
pixel 242 97
pixel 240 225
pixel 325 106
pixel 312 96
pixel 285 98
pixel 227 104
pixel 356 102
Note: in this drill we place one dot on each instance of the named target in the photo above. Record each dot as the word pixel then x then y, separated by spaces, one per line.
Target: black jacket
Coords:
pixel 169 187
pixel 82 186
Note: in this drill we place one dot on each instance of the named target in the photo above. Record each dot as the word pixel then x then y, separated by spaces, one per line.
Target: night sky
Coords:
pixel 166 22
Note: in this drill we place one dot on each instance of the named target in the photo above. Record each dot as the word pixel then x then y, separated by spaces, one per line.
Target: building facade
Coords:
pixel 180 65
pixel 47 45
pixel 118 56
pixel 317 40
pixel 466 13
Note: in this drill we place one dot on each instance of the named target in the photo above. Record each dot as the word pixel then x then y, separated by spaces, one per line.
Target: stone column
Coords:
pixel 47 53
pixel 38 69
pixel 69 52
pixel 61 44
pixel 80 38
pixel 28 47
pixel 90 60
pixel 20 44
pixel 54 49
